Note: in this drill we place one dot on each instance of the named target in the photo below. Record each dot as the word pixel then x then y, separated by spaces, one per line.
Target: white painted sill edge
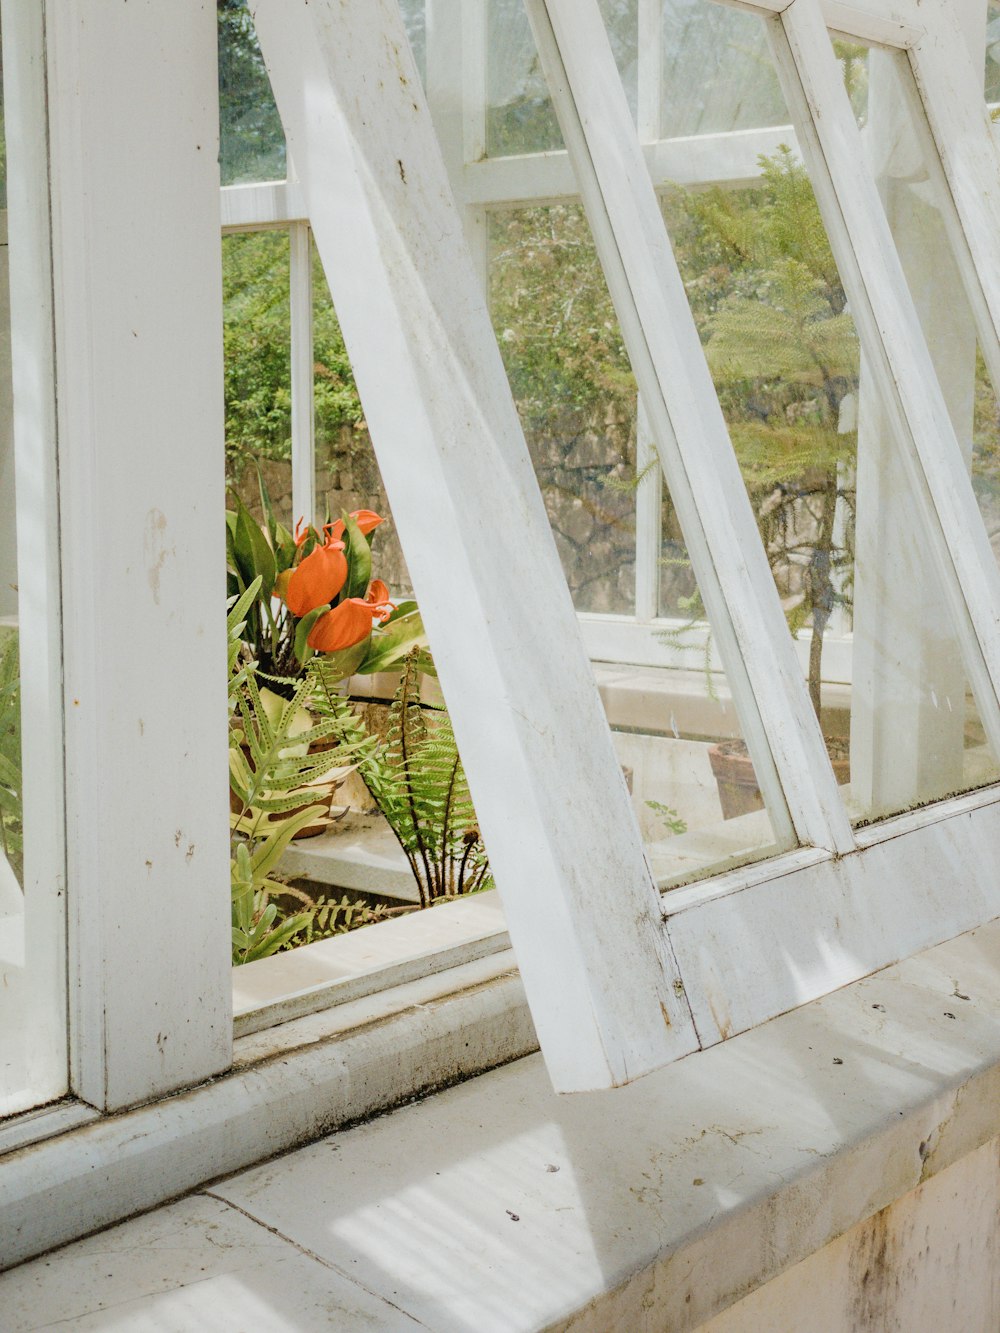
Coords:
pixel 893 1078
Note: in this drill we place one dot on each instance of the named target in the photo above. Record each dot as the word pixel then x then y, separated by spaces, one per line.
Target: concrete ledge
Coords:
pixel 659 1205
pixel 289 1085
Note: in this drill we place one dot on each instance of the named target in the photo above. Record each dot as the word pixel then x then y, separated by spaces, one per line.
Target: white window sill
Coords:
pixel 672 1198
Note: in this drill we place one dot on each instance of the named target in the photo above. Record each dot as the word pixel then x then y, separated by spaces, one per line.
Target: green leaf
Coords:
pixel 391 642
pixel 338 666
pixel 267 509
pixel 268 852
pixel 402 609
pixel 253 555
pixel 302 631
pixel 359 560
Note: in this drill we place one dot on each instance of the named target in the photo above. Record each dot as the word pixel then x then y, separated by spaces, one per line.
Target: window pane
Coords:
pixel 838 522
pixel 256 335
pixel 347 473
pixel 575 393
pixel 666 696
pixel 949 752
pixel 33 1066
pixel 252 142
pixel 716 72
pixel 519 113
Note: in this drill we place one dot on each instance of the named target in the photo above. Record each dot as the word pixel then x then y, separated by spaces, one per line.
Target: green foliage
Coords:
pixel 672 821
pixel 256 334
pixel 264 557
pixel 259 927
pixel 557 328
pixel 783 351
pixel 272 769
pixel 11 810
pixel 414 773
pixel 256 331
pixel 279 788
pixel 252 143
pixel 337 917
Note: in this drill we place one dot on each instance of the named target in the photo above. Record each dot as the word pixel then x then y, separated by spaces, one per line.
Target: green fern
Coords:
pixel 415 776
pixel 331 917
pixel 280 788
pixel 272 770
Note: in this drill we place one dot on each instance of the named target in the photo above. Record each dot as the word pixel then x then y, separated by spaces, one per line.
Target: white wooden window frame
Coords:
pixel 710 925
pixel 731 952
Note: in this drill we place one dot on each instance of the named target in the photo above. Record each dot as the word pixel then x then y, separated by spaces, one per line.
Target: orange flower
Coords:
pixel 351 622
pixel 377 598
pixel 317 579
pixel 343 627
pixel 366 519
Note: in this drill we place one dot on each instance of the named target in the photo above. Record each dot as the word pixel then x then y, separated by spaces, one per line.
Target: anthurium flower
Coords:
pixel 317 579
pixel 350 622
pixel 343 627
pixel 377 598
pixel 366 519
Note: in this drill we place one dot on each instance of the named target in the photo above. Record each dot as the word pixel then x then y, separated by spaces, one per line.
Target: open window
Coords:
pixel 663 482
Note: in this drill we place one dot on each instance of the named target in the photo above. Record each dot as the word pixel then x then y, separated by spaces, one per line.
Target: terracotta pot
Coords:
pixel 734 774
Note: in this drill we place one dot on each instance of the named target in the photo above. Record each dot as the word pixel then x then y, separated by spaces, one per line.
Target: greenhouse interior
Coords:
pixel 512 489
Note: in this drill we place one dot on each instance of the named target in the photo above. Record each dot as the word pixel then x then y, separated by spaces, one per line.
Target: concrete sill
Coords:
pixel 657 1206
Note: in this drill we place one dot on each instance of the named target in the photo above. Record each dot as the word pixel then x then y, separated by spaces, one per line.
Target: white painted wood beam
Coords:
pixel 577 892
pixel 300 303
pixel 35 476
pixel 961 145
pixel 133 105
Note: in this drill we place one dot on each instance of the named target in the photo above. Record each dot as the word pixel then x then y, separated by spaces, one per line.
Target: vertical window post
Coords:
pixel 133 110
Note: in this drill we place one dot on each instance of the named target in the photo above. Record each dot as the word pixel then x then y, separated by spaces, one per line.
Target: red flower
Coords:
pixel 366 519
pixel 317 579
pixel 351 622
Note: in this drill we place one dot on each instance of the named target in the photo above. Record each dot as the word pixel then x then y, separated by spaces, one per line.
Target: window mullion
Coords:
pixel 303 406
pixel 549 792
pixel 650 68
pixel 648 519
pixel 889 327
pixel 960 144
pixel 138 319
pixel 707 490
pixel 31 402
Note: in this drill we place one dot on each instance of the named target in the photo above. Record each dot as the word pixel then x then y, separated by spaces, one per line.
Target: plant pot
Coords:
pixel 734 774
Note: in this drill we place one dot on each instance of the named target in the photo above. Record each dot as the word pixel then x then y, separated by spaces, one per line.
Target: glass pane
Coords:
pixel 992 78
pixel 252 142
pixel 834 511
pixel 519 113
pixel 347 474
pixel 415 17
pixel 669 701
pixel 256 334
pixel 575 393
pixel 948 751
pixel 717 75
pixel 33 1066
